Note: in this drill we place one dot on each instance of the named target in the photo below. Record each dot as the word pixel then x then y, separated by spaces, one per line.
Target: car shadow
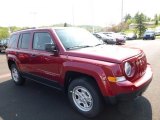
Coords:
pixel 37 102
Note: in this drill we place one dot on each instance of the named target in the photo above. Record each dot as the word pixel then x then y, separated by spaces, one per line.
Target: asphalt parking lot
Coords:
pixel 37 102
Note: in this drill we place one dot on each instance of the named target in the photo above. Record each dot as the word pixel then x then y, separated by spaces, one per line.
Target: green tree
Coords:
pixel 4 33
pixel 156 22
pixel 129 21
pixel 14 28
pixel 156 19
pixel 139 20
pixel 65 24
pixel 146 18
pixel 127 17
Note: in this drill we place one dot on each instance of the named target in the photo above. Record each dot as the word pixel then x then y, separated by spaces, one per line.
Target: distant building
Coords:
pixel 147 24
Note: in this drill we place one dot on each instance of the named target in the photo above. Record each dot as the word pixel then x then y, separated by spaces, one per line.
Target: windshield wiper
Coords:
pixel 78 46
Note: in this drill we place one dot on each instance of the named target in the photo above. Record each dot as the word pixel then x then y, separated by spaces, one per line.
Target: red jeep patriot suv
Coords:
pixel 74 61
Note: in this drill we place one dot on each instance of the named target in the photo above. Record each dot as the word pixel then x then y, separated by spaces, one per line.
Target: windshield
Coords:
pixel 74 38
pixel 149 31
pixel 102 35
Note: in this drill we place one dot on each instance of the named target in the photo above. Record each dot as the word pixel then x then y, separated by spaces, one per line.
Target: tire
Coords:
pixel 84 97
pixel 16 77
pixel 153 38
pixel 106 42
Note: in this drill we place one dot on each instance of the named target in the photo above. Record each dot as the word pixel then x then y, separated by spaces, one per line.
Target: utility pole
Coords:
pixel 122 12
pixel 121 16
pixel 34 14
pixel 73 13
pixel 92 12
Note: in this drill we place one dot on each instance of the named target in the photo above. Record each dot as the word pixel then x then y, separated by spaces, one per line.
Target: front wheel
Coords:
pixel 84 97
pixel 16 77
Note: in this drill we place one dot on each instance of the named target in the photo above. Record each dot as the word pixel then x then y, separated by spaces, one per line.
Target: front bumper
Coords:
pixel 130 90
pixel 148 37
pixel 119 41
pixel 126 96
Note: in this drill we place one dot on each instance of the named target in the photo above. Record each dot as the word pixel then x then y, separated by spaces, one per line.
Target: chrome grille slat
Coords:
pixel 141 65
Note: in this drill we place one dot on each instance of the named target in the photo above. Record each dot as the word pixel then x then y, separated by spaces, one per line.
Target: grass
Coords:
pixel 157 37
pixel 128 31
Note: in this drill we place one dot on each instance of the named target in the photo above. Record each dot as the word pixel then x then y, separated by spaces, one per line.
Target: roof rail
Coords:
pixel 28 28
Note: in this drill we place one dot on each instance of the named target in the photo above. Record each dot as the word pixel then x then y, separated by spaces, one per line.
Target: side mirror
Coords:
pixel 51 48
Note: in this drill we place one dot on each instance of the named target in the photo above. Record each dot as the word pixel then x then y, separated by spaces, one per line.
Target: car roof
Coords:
pixel 44 28
pixel 107 32
pixel 101 34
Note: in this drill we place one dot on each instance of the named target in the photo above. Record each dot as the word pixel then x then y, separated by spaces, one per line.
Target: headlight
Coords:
pixel 128 69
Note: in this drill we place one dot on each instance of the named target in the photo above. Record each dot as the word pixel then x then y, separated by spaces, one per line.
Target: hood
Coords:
pixel 118 36
pixel 108 38
pixel 108 53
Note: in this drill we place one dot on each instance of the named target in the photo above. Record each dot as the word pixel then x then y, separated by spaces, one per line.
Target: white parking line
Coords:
pixel 5 75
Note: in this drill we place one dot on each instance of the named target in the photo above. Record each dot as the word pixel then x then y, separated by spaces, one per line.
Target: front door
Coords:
pixel 44 64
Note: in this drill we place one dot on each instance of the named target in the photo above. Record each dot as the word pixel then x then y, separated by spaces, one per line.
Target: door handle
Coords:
pixel 16 53
pixel 33 55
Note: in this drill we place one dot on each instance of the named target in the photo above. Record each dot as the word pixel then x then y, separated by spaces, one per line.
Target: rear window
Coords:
pixel 12 43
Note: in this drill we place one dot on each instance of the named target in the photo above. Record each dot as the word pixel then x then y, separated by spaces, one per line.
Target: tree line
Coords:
pixel 5 31
pixel 139 19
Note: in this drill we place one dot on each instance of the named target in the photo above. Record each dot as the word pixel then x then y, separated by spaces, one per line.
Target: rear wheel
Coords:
pixel 16 77
pixel 84 97
pixel 153 38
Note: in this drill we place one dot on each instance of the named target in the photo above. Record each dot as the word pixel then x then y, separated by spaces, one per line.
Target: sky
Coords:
pixel 34 13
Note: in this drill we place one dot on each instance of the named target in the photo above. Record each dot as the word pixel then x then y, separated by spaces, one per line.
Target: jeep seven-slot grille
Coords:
pixel 141 64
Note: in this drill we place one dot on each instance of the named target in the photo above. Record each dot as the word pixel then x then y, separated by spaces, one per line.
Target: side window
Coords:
pixel 12 43
pixel 40 40
pixel 24 40
pixel 98 36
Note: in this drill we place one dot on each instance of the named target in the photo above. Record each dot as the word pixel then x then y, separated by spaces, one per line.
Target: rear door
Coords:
pixel 23 52
pixel 44 64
